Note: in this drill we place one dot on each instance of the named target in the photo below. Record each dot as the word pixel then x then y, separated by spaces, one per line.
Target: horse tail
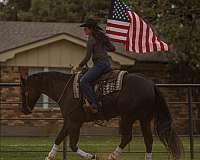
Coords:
pixel 163 127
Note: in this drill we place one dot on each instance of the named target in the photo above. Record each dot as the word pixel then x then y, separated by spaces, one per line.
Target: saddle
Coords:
pixel 108 83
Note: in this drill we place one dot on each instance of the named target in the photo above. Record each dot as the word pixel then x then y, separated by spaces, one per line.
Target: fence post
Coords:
pixel 190 122
pixel 129 147
pixel 65 149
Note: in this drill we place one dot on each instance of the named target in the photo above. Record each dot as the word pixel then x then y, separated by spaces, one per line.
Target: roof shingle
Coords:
pixel 16 34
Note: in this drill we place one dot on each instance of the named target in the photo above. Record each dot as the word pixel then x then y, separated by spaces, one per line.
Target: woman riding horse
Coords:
pixel 139 99
pixel 97 46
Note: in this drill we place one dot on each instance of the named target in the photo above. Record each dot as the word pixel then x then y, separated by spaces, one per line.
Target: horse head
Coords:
pixel 29 95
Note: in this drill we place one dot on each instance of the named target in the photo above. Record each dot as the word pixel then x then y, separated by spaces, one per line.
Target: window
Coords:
pixel 44 101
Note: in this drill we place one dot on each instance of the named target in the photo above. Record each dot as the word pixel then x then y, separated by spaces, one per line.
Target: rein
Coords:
pixel 59 99
pixel 63 92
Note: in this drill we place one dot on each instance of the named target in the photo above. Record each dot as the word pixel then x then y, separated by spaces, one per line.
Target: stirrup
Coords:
pixel 91 109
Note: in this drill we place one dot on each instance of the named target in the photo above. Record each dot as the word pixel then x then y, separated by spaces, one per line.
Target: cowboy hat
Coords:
pixel 91 23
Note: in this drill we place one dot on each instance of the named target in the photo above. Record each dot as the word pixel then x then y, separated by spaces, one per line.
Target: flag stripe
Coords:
pixel 137 33
pixel 166 46
pixel 116 33
pixel 108 28
pixel 154 42
pixel 117 37
pixel 140 35
pixel 157 44
pixel 162 46
pixel 133 19
pixel 117 26
pixel 147 39
pixel 144 37
pixel 118 22
pixel 130 40
pixel 151 39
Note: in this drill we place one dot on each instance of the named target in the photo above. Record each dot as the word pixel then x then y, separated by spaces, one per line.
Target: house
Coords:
pixel 31 47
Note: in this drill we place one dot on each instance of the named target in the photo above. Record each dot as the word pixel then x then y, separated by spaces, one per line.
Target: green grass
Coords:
pixel 101 145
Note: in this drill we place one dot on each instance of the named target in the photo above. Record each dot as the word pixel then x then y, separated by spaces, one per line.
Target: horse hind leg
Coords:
pixel 126 137
pixel 148 138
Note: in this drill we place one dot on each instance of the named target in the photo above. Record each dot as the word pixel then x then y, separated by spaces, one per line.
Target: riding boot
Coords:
pixel 91 108
pixel 94 108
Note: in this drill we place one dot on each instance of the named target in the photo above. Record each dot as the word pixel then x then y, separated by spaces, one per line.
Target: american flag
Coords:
pixel 125 26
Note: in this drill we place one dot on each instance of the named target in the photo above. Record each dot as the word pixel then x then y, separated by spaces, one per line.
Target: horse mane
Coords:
pixel 50 75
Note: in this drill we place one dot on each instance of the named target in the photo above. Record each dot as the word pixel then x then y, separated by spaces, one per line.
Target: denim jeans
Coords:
pixel 100 67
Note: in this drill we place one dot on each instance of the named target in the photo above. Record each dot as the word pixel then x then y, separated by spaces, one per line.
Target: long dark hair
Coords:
pixel 100 36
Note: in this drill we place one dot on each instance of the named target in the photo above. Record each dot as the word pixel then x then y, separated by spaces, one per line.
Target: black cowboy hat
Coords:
pixel 91 23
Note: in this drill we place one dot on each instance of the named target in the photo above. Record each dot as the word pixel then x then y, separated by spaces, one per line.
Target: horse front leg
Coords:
pixel 74 134
pixel 148 138
pixel 126 137
pixel 60 137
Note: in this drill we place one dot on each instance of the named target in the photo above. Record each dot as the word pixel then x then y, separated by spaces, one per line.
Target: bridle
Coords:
pixel 25 92
pixel 26 96
pixel 26 100
pixel 63 91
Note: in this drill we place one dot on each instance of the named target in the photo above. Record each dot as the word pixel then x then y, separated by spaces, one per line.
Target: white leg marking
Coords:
pixel 84 154
pixel 115 154
pixel 52 153
pixel 148 156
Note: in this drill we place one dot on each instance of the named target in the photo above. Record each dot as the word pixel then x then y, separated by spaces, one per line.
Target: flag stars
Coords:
pixel 120 11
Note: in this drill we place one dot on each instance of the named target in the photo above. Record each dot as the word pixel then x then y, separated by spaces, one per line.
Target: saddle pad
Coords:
pixel 104 87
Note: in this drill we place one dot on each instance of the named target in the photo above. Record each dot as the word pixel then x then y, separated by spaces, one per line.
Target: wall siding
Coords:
pixel 58 54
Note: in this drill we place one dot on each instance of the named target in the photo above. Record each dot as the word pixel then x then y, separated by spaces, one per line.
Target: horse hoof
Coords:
pixel 94 157
pixel 112 157
pixel 49 158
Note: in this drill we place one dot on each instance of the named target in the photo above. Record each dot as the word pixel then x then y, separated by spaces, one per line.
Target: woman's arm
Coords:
pixel 109 46
pixel 89 50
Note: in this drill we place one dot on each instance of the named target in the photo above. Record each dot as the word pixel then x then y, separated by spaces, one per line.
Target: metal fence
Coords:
pixel 189 102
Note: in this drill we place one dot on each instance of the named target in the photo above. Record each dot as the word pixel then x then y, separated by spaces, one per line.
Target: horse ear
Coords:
pixel 23 79
pixel 23 73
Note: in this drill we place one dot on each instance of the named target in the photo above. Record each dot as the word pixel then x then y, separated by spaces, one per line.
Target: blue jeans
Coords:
pixel 100 67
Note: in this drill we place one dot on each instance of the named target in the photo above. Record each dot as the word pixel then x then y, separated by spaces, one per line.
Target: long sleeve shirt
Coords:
pixel 96 50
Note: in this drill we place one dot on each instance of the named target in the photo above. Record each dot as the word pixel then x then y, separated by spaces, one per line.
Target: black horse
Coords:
pixel 139 99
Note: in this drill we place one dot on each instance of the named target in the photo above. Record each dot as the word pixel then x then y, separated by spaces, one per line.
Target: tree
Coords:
pixel 11 8
pixel 178 22
pixel 65 10
pixel 49 10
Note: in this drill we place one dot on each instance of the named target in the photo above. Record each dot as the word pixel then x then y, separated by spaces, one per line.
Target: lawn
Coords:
pixel 29 148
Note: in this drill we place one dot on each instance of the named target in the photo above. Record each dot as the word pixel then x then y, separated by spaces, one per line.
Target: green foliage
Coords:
pixel 9 11
pixel 180 21
pixel 54 11
pixel 49 10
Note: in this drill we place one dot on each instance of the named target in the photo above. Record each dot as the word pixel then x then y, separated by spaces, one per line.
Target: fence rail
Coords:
pixel 189 101
pixel 159 85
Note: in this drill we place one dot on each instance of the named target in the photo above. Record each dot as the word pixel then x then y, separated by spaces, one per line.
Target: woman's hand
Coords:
pixel 78 68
